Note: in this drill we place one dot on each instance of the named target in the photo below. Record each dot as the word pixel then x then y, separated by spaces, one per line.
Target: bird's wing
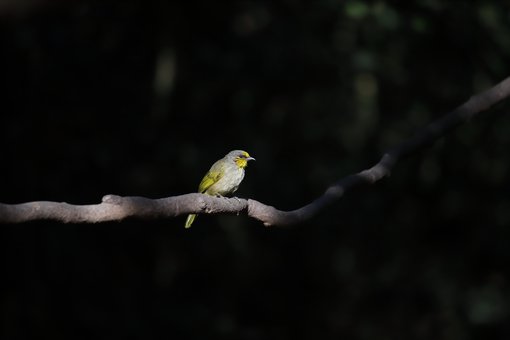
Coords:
pixel 211 177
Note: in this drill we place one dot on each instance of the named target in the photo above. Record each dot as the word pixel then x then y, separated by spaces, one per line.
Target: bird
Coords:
pixel 224 177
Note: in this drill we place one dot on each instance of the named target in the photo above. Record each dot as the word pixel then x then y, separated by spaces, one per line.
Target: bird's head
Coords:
pixel 240 157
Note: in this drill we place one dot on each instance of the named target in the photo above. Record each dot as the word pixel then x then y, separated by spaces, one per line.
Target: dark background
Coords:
pixel 141 97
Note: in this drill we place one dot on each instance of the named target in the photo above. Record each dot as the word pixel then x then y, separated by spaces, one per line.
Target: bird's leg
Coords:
pixel 225 197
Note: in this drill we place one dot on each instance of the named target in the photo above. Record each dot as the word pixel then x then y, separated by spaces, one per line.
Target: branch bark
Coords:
pixel 117 208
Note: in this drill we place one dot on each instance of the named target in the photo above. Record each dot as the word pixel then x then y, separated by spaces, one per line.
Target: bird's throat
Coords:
pixel 242 163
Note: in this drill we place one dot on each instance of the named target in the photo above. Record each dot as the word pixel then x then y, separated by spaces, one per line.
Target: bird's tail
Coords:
pixel 189 220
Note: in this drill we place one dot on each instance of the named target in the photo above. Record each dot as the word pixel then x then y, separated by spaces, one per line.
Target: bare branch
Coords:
pixel 117 208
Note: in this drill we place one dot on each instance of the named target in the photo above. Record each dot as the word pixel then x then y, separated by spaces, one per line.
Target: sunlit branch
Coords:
pixel 117 208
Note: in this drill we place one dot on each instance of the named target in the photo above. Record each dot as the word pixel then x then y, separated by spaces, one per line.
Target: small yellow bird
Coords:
pixel 224 177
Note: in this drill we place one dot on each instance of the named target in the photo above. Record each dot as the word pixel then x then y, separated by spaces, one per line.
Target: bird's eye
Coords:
pixel 242 156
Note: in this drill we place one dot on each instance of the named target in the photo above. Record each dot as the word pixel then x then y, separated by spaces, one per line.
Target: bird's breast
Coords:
pixel 228 183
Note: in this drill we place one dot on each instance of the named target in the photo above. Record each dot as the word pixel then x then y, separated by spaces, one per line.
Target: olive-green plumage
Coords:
pixel 224 177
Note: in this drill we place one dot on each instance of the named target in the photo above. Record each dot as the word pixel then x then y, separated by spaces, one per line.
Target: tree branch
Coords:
pixel 117 208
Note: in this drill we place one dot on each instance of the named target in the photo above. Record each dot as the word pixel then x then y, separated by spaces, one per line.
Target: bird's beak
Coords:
pixel 250 159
